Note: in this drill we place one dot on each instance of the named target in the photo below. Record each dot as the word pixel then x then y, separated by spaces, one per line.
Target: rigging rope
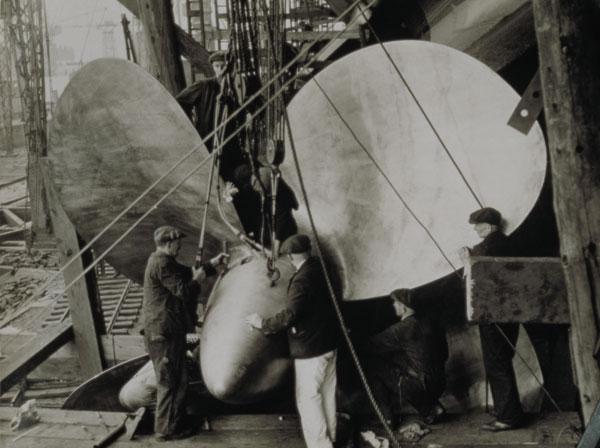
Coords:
pixel 385 176
pixel 418 103
pixel 389 57
pixel 332 294
pixel 206 139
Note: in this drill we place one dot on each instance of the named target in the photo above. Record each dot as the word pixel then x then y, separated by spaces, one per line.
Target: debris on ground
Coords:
pixel 375 441
pixel 27 415
pixel 19 288
pixel 413 432
pixel 23 259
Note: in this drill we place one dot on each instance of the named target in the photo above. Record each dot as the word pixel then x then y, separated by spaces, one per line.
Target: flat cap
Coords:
pixel 217 56
pixel 296 244
pixel 486 215
pixel 164 234
pixel 403 296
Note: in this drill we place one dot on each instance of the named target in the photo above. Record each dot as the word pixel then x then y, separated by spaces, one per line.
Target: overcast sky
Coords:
pixel 76 23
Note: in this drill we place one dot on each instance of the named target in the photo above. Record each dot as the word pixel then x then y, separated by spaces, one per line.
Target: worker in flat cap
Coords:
pixel 256 189
pixel 218 60
pixel 170 291
pixel 407 361
pixel 497 351
pixel 313 333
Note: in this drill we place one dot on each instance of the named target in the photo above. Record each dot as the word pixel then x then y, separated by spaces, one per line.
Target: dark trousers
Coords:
pixel 497 359
pixel 168 358
pixel 390 382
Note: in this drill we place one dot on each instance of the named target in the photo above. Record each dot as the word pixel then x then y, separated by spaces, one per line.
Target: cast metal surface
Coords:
pixel 115 131
pixel 377 244
pixel 239 363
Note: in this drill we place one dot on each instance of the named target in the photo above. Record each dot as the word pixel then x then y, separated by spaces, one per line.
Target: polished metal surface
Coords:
pixel 115 131
pixel 240 364
pixel 377 243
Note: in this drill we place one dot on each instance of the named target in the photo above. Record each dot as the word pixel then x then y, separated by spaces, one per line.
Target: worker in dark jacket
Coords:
pixel 251 193
pixel 169 287
pixel 497 339
pixel 312 331
pixel 409 359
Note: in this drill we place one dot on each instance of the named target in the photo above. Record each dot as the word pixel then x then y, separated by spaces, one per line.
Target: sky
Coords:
pixel 81 25
pixel 74 23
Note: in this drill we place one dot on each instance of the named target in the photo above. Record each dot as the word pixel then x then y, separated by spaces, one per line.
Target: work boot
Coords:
pixel 183 433
pixel 436 414
pixel 497 426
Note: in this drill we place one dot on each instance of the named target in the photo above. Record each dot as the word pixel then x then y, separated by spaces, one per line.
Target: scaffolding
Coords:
pixel 26 30
pixel 6 88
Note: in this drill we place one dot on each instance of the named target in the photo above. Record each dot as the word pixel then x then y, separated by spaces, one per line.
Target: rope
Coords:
pixel 513 346
pixel 135 224
pixel 162 198
pixel 332 294
pixel 193 150
pixel 385 176
pixel 89 28
pixel 389 57
pixel 204 140
pixel 418 103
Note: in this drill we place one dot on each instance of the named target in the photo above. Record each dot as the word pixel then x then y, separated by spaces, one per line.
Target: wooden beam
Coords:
pixel 516 290
pixel 83 300
pixel 569 51
pixel 195 53
pixel 15 368
pixel 190 49
pixel 11 218
pixel 159 29
pixel 506 41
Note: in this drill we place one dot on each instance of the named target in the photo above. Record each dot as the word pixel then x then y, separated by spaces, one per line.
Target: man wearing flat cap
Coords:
pixel 408 361
pixel 313 332
pixel 497 351
pixel 170 291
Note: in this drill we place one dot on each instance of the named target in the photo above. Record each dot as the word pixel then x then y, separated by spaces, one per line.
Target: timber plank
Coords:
pixel 511 289
pixel 80 297
pixel 38 350
pixel 268 431
pixel 569 50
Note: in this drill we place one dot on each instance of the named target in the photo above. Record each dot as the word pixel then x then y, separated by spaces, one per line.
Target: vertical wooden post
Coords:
pixel 569 51
pixel 84 308
pixel 159 29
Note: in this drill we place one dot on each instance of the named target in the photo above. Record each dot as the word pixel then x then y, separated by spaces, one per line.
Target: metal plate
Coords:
pixel 376 242
pixel 115 131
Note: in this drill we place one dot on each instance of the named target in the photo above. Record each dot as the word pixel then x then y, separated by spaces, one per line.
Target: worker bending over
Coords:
pixel 408 361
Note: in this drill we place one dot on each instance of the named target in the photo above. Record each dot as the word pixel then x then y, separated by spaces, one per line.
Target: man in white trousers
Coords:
pixel 313 334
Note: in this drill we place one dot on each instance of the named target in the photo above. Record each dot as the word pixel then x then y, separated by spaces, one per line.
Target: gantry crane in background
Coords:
pixel 25 20
pixel 6 88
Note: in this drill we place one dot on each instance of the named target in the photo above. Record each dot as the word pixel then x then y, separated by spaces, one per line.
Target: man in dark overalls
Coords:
pixel 409 360
pixel 170 290
pixel 498 340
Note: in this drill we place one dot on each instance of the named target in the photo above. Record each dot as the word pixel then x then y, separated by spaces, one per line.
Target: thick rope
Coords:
pixel 385 176
pixel 427 119
pixel 416 100
pixel 332 294
pixel 540 383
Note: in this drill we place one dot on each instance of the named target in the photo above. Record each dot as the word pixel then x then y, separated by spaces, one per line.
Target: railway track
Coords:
pixel 120 298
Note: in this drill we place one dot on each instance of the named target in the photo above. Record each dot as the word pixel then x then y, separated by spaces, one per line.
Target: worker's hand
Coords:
pixel 254 320
pixel 192 338
pixel 220 259
pixel 229 191
pixel 198 274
